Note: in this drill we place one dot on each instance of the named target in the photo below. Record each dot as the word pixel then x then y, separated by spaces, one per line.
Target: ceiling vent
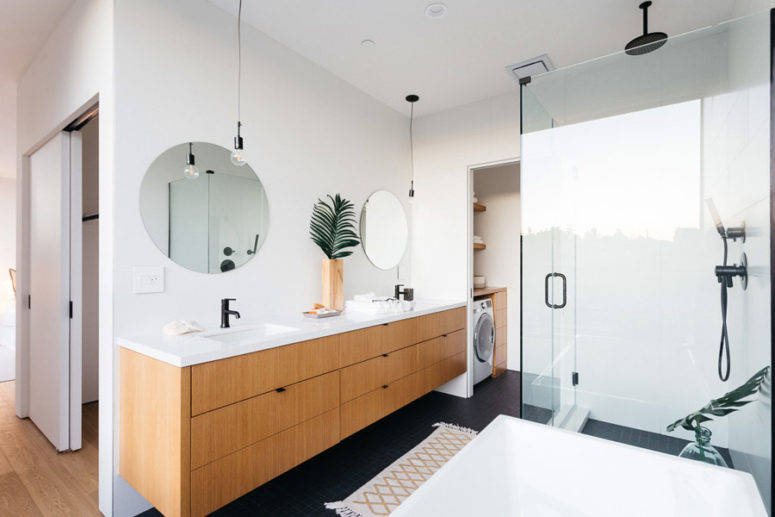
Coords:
pixel 530 67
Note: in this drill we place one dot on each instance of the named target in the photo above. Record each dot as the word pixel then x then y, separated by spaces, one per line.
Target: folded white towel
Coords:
pixel 379 307
pixel 180 327
pixel 478 239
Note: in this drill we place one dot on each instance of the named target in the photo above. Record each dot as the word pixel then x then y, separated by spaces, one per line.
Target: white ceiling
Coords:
pixel 25 26
pixel 460 58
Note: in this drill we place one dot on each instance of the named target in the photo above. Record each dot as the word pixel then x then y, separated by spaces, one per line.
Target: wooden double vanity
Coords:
pixel 195 437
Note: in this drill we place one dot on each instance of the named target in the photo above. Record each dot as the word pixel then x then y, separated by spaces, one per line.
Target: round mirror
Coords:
pixel 384 231
pixel 200 210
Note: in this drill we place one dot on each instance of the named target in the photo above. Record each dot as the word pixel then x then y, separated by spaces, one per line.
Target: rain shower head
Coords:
pixel 648 41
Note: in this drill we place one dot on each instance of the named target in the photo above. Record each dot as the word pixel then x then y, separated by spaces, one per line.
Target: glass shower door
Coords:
pixel 548 276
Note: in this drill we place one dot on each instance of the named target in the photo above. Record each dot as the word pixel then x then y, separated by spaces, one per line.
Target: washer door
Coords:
pixel 484 337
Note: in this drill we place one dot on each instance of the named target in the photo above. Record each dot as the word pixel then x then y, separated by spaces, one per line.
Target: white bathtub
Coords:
pixel 519 468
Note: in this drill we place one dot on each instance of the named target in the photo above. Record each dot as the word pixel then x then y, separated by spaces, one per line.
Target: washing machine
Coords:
pixel 484 339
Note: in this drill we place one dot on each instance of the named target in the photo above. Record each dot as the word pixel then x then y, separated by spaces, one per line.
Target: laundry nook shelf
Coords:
pixel 479 208
pixel 478 246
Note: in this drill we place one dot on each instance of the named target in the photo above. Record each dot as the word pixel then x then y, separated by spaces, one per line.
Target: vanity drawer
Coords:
pixel 220 432
pixel 219 383
pixel 228 478
pixel 400 334
pixel 434 350
pixel 367 409
pixel 372 374
pixel 439 323
pixel 440 373
pixel 360 345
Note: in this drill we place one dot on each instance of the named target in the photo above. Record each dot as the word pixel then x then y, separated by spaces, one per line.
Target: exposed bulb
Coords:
pixel 238 157
pixel 191 172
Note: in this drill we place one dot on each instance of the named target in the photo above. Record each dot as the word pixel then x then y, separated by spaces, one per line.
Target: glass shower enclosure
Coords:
pixel 621 158
pixel 215 222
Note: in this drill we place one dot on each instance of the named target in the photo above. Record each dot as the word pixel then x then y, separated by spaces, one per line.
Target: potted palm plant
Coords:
pixel 332 228
pixel 701 449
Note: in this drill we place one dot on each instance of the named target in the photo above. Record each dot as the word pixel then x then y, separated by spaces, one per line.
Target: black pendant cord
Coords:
pixel 411 140
pixel 724 344
pixel 411 99
pixel 239 64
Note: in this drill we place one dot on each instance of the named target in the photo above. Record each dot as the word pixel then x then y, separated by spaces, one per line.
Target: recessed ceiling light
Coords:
pixel 435 10
pixel 368 43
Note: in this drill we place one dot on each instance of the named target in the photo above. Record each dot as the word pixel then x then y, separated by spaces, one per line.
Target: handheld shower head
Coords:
pixel 715 216
pixel 737 232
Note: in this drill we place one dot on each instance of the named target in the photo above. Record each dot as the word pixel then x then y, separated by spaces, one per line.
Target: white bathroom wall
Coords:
pixel 306 134
pixel 70 72
pixel 498 189
pixel 737 167
pixel 446 146
pixel 7 129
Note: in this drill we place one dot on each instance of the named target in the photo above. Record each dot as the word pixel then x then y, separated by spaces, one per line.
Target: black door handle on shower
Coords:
pixel 564 291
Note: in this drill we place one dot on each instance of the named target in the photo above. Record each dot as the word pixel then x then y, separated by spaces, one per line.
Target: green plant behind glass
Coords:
pixel 722 406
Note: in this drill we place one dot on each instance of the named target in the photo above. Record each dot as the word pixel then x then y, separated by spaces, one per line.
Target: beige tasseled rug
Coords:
pixel 383 494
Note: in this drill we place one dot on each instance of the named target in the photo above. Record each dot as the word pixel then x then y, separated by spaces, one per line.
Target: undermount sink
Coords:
pixel 238 334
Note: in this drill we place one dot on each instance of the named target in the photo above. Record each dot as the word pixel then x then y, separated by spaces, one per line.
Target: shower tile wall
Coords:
pixel 736 164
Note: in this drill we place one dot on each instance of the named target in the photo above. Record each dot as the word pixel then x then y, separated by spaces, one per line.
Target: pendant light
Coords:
pixel 411 99
pixel 190 171
pixel 238 154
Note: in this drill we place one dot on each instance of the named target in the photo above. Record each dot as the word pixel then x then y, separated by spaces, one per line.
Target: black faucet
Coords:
pixel 407 292
pixel 226 312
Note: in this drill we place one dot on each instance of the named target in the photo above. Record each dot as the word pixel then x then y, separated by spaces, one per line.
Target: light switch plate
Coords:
pixel 147 279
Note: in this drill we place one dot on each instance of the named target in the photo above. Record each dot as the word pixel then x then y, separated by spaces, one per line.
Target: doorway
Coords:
pixel 59 292
pixel 494 266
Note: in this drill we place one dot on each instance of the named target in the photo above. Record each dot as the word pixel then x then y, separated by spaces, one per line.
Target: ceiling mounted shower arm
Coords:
pixel 645 6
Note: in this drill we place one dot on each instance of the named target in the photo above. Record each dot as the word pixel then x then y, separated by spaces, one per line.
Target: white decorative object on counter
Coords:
pixel 480 282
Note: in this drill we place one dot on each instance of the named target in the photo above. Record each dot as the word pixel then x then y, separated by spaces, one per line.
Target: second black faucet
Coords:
pixel 226 312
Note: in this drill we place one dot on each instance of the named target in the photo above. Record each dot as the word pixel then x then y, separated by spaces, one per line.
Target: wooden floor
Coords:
pixel 34 478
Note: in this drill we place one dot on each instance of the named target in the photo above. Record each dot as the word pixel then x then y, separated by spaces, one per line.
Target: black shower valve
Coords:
pixel 725 274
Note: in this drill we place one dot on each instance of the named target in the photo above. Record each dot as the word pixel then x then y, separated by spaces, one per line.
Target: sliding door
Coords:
pixel 54 406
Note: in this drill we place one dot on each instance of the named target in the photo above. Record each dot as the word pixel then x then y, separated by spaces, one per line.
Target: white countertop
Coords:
pixel 191 349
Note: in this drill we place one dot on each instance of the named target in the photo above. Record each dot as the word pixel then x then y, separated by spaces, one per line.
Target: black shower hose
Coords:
pixel 724 345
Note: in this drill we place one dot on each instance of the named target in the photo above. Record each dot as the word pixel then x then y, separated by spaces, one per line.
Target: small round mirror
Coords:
pixel 384 230
pixel 201 211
